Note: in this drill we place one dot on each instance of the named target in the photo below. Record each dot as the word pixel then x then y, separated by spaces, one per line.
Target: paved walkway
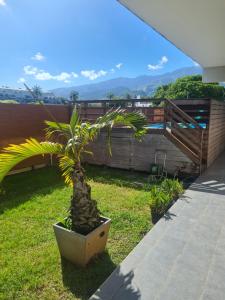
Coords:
pixel 183 256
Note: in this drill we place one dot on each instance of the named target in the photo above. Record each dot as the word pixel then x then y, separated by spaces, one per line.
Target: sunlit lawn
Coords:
pixel 30 265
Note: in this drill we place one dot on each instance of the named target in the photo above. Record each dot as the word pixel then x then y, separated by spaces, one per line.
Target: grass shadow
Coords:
pixel 119 177
pixel 83 282
pixel 19 188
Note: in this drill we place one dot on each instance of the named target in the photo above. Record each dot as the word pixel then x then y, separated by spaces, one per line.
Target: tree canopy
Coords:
pixel 110 96
pixel 37 92
pixel 74 96
pixel 190 87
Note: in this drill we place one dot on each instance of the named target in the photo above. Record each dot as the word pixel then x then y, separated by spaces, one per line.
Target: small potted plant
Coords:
pixel 83 233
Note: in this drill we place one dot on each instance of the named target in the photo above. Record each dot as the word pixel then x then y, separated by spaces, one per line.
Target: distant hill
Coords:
pixel 141 85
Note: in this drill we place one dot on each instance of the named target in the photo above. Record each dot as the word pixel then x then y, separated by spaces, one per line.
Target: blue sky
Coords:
pixel 56 43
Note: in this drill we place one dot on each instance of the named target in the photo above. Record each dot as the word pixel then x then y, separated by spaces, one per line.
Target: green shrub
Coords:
pixel 162 195
pixel 173 187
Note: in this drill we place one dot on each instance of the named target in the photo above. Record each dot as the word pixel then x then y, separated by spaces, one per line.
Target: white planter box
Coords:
pixel 79 248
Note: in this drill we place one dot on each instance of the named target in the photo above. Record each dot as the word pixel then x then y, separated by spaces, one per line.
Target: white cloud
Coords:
pixel 2 3
pixel 160 64
pixel 43 75
pixel 28 70
pixel 118 66
pixel 164 60
pixel 21 80
pixel 64 76
pixel 92 74
pixel 75 75
pixel 38 56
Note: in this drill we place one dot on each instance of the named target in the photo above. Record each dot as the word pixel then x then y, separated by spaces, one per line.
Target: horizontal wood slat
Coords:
pixel 21 121
pixel 216 137
pixel 129 153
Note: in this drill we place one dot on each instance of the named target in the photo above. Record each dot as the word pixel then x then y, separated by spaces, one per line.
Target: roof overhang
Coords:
pixel 197 27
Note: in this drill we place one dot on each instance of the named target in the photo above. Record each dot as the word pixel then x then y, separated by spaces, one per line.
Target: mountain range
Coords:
pixel 141 85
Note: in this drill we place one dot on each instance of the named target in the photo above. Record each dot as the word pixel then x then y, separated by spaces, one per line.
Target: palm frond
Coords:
pixel 74 120
pixel 14 154
pixel 62 129
pixel 66 164
pixel 135 120
pixel 82 136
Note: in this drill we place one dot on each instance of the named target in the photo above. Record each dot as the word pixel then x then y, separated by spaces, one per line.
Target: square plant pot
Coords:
pixel 79 248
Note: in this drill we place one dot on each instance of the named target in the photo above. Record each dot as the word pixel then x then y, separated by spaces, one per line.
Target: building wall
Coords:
pixel 128 153
pixel 20 94
pixel 216 138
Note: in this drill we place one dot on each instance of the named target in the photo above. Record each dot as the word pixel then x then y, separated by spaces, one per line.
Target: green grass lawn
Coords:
pixel 30 264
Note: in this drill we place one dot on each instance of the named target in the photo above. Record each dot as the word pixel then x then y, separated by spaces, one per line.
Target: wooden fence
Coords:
pixel 216 135
pixel 21 121
pixel 153 114
pixel 128 153
pixel 18 122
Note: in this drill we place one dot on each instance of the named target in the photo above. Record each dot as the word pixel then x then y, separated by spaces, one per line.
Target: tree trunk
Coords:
pixel 84 212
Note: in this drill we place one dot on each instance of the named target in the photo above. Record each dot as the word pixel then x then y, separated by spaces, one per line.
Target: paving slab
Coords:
pixel 183 256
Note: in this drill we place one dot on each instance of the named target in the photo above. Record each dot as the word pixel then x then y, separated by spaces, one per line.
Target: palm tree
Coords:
pixel 36 92
pixel 74 96
pixel 84 215
pixel 128 96
pixel 110 96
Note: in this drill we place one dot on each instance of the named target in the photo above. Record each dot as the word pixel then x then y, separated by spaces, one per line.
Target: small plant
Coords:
pixel 162 195
pixel 173 187
pixel 160 201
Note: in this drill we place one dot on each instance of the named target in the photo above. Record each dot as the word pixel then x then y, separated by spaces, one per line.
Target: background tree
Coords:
pixel 128 96
pixel 37 92
pixel 190 87
pixel 110 96
pixel 74 96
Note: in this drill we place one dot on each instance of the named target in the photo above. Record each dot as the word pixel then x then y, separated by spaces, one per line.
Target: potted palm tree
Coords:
pixel 83 233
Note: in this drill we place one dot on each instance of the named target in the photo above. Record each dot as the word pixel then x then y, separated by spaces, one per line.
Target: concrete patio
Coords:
pixel 183 256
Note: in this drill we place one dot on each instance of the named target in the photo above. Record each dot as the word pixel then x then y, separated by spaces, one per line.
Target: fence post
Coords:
pixel 104 107
pixel 70 110
pixel 165 114
pixel 201 150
